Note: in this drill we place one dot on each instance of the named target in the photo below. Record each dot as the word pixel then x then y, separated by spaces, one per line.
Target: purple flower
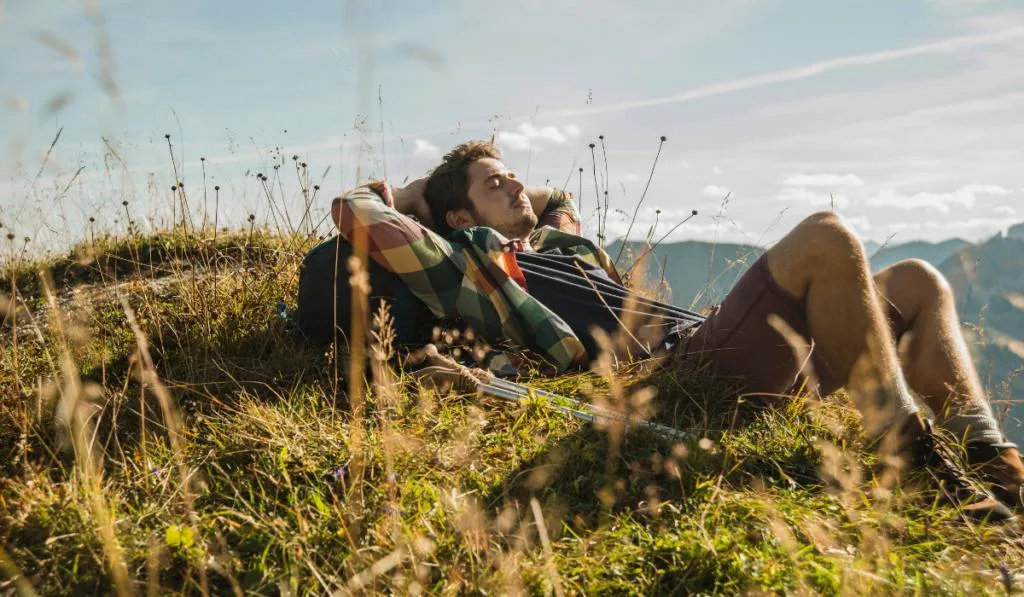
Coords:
pixel 1004 572
pixel 392 477
pixel 339 474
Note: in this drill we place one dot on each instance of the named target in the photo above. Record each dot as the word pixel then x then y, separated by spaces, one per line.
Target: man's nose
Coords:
pixel 514 186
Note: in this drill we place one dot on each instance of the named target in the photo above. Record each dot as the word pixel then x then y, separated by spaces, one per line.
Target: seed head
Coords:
pixel 10 236
pixel 601 137
pixel 664 138
pixel 125 203
pixel 167 136
pixel 693 213
pixel 174 188
pixel 316 187
pixel 591 146
pixel 252 217
pixel 216 187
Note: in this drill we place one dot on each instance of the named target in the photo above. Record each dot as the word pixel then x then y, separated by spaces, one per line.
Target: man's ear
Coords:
pixel 459 219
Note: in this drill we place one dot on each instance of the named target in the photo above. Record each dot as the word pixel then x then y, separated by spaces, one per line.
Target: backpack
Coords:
pixel 324 308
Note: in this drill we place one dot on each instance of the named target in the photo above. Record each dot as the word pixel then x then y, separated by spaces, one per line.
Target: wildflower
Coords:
pixel 339 474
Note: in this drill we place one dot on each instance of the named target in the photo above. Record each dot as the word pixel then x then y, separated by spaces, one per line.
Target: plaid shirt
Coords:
pixel 472 274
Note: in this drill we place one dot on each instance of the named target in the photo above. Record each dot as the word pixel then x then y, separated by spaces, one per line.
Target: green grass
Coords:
pixel 254 477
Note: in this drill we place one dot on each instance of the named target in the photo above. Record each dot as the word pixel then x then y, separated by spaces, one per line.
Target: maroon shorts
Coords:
pixel 740 345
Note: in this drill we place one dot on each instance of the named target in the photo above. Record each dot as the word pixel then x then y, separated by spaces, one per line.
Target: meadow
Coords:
pixel 164 431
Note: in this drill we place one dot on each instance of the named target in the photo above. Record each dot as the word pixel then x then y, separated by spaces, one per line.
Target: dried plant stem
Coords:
pixel 542 531
pixel 636 209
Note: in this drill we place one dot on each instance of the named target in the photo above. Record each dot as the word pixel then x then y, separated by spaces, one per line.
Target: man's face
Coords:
pixel 498 199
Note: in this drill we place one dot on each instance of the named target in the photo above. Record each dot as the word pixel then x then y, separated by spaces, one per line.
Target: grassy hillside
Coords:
pixel 161 431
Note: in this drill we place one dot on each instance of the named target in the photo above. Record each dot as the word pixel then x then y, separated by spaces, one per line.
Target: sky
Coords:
pixel 904 116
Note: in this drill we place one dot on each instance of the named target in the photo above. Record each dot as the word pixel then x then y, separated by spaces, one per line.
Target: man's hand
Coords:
pixel 539 198
pixel 442 373
pixel 411 201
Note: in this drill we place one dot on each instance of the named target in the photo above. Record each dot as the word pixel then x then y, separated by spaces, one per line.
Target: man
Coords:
pixel 511 264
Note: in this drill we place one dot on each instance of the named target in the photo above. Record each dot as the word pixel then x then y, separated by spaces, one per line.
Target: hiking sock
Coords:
pixel 972 421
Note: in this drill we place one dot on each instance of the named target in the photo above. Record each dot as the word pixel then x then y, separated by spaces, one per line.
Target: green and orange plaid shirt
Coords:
pixel 472 274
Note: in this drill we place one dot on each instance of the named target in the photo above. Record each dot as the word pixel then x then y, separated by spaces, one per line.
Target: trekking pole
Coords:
pixel 508 390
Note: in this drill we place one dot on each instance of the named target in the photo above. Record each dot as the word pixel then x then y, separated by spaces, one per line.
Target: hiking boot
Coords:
pixel 1000 466
pixel 925 455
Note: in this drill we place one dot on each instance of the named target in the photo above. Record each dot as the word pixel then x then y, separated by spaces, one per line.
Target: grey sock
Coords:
pixel 972 421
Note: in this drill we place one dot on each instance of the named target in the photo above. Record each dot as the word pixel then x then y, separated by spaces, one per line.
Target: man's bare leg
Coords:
pixel 938 367
pixel 823 263
pixel 933 352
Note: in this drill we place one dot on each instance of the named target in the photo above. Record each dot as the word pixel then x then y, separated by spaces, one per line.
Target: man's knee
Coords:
pixel 826 234
pixel 921 278
pixel 820 243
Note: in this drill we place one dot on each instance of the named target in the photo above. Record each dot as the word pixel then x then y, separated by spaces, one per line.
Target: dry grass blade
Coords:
pixel 550 568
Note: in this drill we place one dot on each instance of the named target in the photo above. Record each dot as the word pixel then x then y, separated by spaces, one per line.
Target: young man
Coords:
pixel 511 264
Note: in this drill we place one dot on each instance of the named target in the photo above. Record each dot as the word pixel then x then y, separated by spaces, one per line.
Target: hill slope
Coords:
pixel 161 430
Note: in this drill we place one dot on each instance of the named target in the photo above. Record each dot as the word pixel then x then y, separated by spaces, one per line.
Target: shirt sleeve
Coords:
pixel 427 263
pixel 560 213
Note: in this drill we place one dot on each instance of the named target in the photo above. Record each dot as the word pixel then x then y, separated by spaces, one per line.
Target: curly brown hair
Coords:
pixel 448 185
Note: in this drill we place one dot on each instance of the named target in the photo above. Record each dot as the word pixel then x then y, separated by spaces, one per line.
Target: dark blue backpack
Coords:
pixel 324 315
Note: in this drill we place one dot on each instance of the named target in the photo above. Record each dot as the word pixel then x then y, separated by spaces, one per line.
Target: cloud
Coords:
pixel 823 180
pixel 528 137
pixel 966 196
pixel 716 191
pixel 949 45
pixel 1004 210
pixel 425 149
pixel 814 198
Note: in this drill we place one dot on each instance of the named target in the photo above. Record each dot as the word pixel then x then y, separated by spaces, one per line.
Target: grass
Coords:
pixel 162 431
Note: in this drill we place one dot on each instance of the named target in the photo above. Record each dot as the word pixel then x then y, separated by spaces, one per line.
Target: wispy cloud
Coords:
pixel 966 196
pixel 526 136
pixel 715 191
pixel 813 198
pixel 425 149
pixel 823 180
pixel 950 45
pixel 1004 210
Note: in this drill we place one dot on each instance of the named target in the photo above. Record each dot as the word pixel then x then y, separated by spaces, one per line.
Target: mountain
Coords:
pixel 934 253
pixel 698 273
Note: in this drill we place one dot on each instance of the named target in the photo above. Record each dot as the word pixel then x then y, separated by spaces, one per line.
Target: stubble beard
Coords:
pixel 520 228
